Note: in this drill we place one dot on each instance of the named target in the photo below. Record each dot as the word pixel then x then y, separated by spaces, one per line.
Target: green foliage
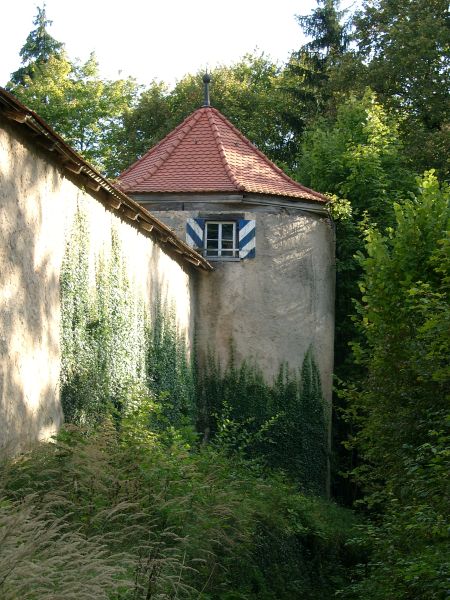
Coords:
pixel 404 319
pixel 283 424
pixel 400 407
pixel 180 522
pixel 407 549
pixel 83 108
pixel 112 351
pixel 357 156
pixel 169 371
pixel 110 357
pixel 405 46
pixel 307 73
pixel 39 47
pixel 103 331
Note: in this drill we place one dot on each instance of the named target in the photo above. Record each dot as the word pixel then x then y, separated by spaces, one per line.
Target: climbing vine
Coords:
pixel 103 330
pixel 112 350
pixel 283 423
pixel 171 373
pixel 114 354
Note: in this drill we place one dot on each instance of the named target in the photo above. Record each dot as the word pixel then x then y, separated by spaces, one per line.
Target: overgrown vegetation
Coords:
pixel 103 330
pixel 283 424
pixel 161 520
pixel 357 112
pixel 132 488
pixel 113 351
pixel 401 405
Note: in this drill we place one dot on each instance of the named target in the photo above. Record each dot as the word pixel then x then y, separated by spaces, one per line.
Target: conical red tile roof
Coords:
pixel 206 153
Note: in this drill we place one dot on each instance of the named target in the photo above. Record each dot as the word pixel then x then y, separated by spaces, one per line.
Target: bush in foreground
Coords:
pixel 121 514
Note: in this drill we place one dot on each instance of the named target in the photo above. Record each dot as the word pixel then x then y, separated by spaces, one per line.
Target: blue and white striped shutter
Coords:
pixel 247 233
pixel 195 232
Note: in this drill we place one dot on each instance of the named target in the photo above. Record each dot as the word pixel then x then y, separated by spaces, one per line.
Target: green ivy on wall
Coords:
pixel 170 372
pixel 283 423
pixel 110 353
pixel 114 354
pixel 103 330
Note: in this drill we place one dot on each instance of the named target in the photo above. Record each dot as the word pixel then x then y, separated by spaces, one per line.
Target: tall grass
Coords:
pixel 122 513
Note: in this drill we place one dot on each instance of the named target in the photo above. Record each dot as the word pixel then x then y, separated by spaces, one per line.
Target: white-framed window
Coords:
pixel 230 239
pixel 220 240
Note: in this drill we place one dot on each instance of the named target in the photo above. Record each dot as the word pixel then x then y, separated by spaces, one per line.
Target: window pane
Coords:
pixel 227 231
pixel 212 244
pixel 227 244
pixel 213 230
pixel 212 253
pixel 227 253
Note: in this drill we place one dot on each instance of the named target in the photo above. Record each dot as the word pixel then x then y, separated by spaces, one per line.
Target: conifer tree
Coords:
pixel 37 50
pixel 307 71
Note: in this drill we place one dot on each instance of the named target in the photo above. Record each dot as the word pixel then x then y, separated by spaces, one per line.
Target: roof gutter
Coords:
pixel 88 176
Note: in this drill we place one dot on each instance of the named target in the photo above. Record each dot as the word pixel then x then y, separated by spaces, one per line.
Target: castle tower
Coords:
pixel 269 239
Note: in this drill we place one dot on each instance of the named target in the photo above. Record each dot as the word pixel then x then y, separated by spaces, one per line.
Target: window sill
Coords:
pixel 221 259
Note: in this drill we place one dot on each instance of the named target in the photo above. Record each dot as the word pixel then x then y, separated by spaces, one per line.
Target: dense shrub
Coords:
pixel 399 410
pixel 165 521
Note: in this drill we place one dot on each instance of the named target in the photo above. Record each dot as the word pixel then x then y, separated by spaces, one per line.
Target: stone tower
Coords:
pixel 269 239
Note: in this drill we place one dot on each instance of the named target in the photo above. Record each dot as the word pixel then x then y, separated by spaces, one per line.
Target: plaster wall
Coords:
pixel 38 204
pixel 277 305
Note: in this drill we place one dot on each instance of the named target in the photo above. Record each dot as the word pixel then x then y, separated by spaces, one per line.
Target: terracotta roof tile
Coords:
pixel 206 153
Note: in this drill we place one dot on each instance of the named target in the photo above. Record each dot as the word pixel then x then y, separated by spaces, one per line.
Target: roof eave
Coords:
pixel 87 175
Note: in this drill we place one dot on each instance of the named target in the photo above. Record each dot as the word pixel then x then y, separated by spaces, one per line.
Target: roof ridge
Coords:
pixel 228 169
pixel 264 157
pixel 192 117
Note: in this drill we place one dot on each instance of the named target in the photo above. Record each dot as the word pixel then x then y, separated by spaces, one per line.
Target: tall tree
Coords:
pixel 81 106
pixel 78 104
pixel 404 44
pixel 357 156
pixel 308 70
pixel 400 407
pixel 37 50
pixel 142 125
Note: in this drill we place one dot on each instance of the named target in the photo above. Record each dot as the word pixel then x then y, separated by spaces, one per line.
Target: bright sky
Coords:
pixel 160 40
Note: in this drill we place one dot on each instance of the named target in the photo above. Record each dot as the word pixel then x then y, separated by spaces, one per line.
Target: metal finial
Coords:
pixel 206 82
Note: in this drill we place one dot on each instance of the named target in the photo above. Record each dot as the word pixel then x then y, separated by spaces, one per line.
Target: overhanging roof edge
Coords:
pixel 88 175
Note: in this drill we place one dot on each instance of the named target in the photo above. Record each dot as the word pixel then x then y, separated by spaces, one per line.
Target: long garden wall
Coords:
pixel 39 206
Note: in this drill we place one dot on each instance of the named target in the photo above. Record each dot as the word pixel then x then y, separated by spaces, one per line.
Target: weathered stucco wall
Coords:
pixel 277 305
pixel 38 203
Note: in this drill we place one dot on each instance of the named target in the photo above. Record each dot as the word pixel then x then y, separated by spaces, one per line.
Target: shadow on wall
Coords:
pixel 276 295
pixel 29 302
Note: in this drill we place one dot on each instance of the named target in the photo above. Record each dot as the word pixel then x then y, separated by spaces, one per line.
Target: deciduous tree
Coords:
pixel 404 44
pixel 81 106
pixel 400 407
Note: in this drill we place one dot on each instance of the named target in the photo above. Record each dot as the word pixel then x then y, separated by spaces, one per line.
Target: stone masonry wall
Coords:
pixel 277 305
